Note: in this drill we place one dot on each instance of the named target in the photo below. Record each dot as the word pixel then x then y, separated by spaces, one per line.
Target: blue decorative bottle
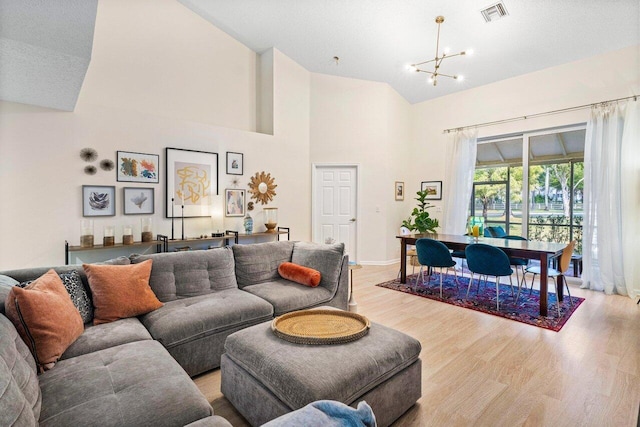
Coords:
pixel 248 224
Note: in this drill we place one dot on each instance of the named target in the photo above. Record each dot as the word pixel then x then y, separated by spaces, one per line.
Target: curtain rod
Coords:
pixel 530 116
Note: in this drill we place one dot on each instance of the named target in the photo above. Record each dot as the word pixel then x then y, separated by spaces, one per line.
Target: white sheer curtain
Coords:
pixel 460 167
pixel 631 201
pixel 609 243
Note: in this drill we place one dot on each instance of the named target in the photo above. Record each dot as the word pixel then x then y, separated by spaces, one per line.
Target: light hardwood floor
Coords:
pixel 483 370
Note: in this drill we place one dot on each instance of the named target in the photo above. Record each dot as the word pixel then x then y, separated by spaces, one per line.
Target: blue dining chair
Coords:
pixel 565 259
pixel 496 231
pixel 434 254
pixel 487 260
pixel 519 263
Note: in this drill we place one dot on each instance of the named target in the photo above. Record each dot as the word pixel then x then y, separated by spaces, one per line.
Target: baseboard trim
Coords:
pixel 382 263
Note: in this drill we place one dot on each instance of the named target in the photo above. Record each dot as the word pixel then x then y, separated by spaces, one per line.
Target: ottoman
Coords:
pixel 265 377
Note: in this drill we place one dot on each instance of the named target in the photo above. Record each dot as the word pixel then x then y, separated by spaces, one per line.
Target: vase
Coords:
pixel 147 231
pixel 248 224
pixel 86 233
pixel 271 219
pixel 127 235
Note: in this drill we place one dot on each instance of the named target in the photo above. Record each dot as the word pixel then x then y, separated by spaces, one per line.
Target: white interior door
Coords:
pixel 335 204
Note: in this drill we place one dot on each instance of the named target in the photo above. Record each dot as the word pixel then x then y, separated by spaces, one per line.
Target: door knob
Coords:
pixel 352 220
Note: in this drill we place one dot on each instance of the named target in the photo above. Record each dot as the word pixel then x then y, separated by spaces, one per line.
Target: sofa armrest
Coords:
pixel 341 296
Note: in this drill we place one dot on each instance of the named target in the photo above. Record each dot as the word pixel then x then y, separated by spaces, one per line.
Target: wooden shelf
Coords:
pixel 162 243
pixel 115 246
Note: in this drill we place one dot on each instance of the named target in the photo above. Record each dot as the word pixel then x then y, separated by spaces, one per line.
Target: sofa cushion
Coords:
pixel 6 283
pixel 187 274
pixel 187 319
pixel 20 396
pixel 45 318
pixel 327 259
pixel 136 384
pixel 286 296
pixel 299 274
pixel 259 262
pixel 120 291
pixel 105 335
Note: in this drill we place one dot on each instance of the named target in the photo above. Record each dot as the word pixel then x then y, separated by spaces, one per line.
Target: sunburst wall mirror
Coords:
pixel 262 187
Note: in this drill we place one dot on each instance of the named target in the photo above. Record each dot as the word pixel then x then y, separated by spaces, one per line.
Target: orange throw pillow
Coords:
pixel 299 274
pixel 45 318
pixel 120 291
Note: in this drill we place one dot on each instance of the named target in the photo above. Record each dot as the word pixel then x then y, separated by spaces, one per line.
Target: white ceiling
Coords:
pixel 45 50
pixel 377 39
pixel 45 46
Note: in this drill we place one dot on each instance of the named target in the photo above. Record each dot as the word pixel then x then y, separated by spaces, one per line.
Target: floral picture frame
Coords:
pixel 138 201
pixel 137 167
pixel 98 200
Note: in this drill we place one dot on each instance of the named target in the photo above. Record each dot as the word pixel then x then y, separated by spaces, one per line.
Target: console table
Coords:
pixel 164 244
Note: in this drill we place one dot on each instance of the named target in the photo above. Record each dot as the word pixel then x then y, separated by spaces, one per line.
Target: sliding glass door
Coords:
pixel 548 196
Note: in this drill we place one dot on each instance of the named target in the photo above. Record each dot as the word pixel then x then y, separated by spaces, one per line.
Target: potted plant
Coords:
pixel 419 220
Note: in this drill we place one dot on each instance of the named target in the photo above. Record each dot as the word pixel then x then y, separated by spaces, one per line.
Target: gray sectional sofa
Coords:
pixel 121 373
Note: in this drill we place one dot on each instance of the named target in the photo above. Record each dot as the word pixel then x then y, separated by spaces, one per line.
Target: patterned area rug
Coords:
pixel 527 309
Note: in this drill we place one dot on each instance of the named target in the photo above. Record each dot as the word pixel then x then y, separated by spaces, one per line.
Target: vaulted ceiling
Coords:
pixel 377 39
pixel 45 50
pixel 45 46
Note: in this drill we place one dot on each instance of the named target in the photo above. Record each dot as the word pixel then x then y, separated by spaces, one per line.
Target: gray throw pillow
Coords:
pixel 73 284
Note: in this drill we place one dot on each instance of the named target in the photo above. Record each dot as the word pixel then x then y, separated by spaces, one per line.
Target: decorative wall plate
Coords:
pixel 262 187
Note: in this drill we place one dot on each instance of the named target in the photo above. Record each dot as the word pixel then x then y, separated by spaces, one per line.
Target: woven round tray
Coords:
pixel 320 326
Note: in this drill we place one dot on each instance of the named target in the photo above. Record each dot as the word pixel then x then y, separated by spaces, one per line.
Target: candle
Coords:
pixel 146 224
pixel 127 230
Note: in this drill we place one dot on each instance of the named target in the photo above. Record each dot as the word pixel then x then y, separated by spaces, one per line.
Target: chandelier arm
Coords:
pixel 425 62
pixel 457 54
pixel 438 44
pixel 447 75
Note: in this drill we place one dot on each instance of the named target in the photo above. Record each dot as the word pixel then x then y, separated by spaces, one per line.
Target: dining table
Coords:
pixel 528 249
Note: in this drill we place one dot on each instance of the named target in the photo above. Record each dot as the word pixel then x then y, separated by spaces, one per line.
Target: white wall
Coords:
pixel 41 173
pixel 366 123
pixel 158 57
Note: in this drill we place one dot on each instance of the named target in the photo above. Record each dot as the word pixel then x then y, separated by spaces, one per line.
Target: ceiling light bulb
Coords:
pixel 447 50
pixel 468 52
pixel 412 67
pixel 430 80
pixel 459 78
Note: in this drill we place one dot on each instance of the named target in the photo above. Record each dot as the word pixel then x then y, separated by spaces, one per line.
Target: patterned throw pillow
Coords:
pixel 73 284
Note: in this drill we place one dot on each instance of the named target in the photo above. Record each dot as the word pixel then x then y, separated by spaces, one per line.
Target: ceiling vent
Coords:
pixel 494 12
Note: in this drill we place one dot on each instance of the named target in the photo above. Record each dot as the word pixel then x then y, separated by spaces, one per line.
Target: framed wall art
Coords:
pixel 433 189
pixel 234 201
pixel 192 180
pixel 137 167
pixel 138 201
pixel 98 200
pixel 399 190
pixel 235 163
